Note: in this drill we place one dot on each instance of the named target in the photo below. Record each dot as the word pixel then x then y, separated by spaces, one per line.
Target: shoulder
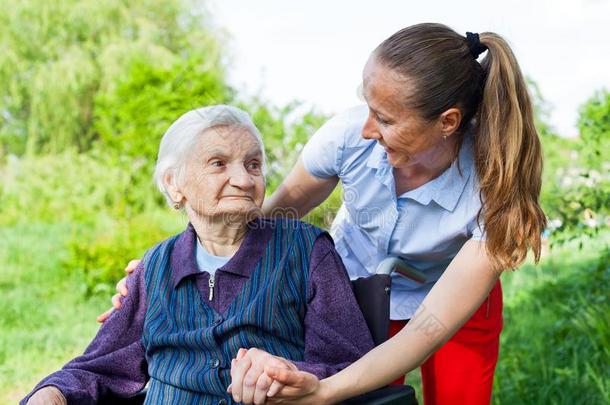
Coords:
pixel 345 128
pixel 160 252
pixel 335 145
pixel 292 228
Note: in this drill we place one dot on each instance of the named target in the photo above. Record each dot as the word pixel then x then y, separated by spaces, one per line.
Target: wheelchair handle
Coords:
pixel 391 264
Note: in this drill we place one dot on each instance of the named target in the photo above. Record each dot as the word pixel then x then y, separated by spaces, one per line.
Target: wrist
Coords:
pixel 328 394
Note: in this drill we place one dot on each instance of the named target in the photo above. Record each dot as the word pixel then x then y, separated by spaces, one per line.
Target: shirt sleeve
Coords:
pixel 322 155
pixel 336 333
pixel 114 362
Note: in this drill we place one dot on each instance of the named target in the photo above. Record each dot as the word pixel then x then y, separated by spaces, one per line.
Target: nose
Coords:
pixel 240 178
pixel 370 130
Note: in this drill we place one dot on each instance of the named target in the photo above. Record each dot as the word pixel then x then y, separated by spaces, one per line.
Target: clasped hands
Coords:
pixel 258 377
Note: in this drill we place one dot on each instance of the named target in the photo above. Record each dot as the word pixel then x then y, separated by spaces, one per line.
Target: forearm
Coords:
pixel 467 281
pixel 298 194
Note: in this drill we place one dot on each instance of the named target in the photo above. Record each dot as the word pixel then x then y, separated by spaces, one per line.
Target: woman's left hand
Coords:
pixel 249 382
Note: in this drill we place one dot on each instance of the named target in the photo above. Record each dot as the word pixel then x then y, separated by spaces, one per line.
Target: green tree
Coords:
pixel 577 201
pixel 63 59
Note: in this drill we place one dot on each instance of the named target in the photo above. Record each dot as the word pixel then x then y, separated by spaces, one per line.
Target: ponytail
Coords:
pixel 508 159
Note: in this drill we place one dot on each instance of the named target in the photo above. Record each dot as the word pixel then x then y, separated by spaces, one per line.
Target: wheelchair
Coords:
pixel 373 296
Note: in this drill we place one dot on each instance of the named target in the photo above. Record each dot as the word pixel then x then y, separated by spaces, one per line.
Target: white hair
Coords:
pixel 180 139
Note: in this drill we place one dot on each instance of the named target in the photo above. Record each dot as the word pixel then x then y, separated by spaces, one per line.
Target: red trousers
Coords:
pixel 462 370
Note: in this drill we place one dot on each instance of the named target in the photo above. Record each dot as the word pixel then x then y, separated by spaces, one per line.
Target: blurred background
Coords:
pixel 87 89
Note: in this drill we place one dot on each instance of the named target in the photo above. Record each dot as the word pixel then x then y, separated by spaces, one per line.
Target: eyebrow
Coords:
pixel 223 153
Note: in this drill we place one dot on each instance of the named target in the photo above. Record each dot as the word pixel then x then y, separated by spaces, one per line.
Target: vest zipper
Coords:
pixel 211 285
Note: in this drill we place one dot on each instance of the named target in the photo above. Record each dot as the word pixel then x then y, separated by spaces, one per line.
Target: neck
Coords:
pixel 219 235
pixel 425 166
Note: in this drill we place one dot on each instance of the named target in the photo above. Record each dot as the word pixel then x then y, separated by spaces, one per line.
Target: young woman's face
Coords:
pixel 224 173
pixel 404 134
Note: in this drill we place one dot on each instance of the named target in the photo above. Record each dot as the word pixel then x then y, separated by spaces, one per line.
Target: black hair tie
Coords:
pixel 474 45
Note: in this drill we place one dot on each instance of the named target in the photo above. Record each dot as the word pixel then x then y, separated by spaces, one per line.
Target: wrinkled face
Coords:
pixel 223 175
pixel 405 135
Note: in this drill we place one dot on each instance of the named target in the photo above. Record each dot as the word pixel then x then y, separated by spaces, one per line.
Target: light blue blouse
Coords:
pixel 207 261
pixel 426 226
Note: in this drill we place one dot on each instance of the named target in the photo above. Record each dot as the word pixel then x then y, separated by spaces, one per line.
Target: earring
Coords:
pixel 177 205
pixel 445 137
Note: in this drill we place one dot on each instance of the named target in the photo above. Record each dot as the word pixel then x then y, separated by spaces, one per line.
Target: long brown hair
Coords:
pixel 495 105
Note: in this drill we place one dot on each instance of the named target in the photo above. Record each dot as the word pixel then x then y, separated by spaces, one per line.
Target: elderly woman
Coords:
pixel 230 280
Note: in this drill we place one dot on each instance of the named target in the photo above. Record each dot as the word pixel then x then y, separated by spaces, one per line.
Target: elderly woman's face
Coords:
pixel 224 173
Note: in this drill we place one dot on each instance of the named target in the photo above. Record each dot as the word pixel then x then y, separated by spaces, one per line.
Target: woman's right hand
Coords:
pixel 121 289
pixel 47 396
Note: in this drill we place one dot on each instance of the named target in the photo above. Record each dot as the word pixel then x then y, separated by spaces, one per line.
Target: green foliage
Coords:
pixel 131 118
pixel 284 133
pixel 99 253
pixel 73 187
pixel 556 341
pixel 577 175
pixel 594 126
pixel 60 59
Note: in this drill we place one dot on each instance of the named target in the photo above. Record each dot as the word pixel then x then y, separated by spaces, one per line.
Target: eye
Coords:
pixel 217 163
pixel 381 121
pixel 254 166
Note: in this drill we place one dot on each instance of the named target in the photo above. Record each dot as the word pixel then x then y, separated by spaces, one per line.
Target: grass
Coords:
pixel 43 316
pixel 555 344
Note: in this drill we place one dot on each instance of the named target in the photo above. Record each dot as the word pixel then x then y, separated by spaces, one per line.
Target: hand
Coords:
pixel 297 387
pixel 47 396
pixel 249 383
pixel 121 289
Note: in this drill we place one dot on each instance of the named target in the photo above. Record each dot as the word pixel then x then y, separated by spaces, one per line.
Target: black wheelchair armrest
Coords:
pixel 390 395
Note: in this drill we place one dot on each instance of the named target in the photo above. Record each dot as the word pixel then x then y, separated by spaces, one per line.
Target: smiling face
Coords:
pixel 406 136
pixel 223 174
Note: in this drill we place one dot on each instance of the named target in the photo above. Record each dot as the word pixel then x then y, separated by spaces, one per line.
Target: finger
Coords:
pixel 262 386
pixel 121 287
pixel 102 318
pixel 241 353
pixel 238 373
pixel 275 387
pixel 297 384
pixel 280 362
pixel 229 390
pixel 285 376
pixel 116 301
pixel 131 266
pixel 249 385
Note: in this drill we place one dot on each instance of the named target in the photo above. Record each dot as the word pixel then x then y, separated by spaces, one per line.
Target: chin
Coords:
pixel 249 211
pixel 398 161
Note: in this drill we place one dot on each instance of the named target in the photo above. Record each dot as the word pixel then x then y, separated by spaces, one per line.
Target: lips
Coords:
pixel 238 196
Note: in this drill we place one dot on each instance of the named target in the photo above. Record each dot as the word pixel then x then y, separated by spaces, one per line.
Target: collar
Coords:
pixel 377 157
pixel 445 190
pixel 183 261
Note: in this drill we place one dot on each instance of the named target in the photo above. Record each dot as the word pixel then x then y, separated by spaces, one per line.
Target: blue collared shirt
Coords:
pixel 425 226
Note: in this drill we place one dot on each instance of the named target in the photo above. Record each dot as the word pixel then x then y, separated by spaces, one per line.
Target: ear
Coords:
pixel 170 183
pixel 450 121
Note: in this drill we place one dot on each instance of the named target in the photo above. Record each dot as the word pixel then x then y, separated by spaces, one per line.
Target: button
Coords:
pixel 222 402
pixel 218 321
pixel 215 363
